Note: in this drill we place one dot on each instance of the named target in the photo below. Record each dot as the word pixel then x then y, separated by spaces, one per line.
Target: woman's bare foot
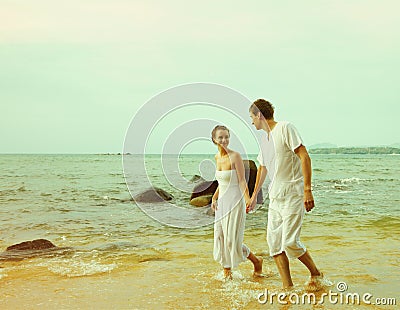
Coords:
pixel 227 274
pixel 258 267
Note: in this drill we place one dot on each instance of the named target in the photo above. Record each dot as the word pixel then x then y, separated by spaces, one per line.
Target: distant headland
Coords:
pixel 356 150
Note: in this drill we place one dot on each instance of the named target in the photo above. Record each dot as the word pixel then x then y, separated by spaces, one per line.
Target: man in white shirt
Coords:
pixel 286 161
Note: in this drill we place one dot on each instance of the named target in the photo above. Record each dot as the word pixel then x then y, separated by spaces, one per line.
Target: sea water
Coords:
pixel 114 255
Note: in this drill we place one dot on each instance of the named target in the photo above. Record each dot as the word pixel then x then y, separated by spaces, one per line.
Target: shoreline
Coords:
pixel 190 280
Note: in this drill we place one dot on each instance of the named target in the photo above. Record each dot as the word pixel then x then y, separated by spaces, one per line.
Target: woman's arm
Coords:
pixel 216 193
pixel 239 166
pixel 214 199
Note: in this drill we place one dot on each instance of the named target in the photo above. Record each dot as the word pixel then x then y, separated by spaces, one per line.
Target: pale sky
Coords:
pixel 74 73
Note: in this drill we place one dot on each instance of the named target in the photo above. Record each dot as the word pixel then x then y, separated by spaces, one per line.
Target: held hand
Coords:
pixel 308 200
pixel 250 206
pixel 214 205
pixel 247 200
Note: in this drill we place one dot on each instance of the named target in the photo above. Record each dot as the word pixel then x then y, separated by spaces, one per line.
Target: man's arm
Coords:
pixel 305 159
pixel 260 178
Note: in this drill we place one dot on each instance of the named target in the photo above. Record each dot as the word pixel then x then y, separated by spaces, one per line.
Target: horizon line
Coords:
pixel 192 154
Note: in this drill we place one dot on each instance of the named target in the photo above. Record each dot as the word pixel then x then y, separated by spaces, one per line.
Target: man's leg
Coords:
pixel 292 218
pixel 282 262
pixel 292 230
pixel 274 237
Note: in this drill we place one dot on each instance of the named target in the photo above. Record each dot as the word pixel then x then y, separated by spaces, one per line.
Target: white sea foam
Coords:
pixel 3 273
pixel 236 275
pixel 317 283
pixel 239 291
pixel 71 268
pixel 239 297
pixel 354 180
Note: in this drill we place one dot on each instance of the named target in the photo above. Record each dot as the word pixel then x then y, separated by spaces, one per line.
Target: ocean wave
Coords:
pixel 13 191
pixel 73 268
pixel 356 180
pixel 351 184
pixel 27 254
pixel 353 180
pixel 2 274
pixel 117 246
pixel 238 292
pixel 13 199
pixel 386 221
pixel 348 180
pixel 118 174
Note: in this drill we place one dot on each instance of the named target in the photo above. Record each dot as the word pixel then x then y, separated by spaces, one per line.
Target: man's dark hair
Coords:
pixel 263 106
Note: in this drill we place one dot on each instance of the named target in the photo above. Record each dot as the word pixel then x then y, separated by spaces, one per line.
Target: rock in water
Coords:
pixel 204 188
pixel 202 193
pixel 197 178
pixel 201 201
pixel 34 248
pixel 153 195
pixel 38 244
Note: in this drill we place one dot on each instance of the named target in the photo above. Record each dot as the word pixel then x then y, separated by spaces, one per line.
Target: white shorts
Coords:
pixel 285 217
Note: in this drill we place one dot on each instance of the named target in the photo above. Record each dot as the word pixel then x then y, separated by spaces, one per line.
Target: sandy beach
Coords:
pixel 189 279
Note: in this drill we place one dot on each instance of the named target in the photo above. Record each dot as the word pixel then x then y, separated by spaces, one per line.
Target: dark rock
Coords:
pixel 38 244
pixel 207 188
pixel 201 201
pixel 202 193
pixel 153 195
pixel 197 178
pixel 204 188
pixel 31 249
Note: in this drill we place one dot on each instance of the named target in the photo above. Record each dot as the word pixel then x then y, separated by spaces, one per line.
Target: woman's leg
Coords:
pixel 257 262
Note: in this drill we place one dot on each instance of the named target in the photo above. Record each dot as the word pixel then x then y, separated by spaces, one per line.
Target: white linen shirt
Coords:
pixel 283 165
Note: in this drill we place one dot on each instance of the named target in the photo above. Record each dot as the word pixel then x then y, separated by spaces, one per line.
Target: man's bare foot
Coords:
pixel 227 274
pixel 258 267
pixel 317 274
pixel 317 283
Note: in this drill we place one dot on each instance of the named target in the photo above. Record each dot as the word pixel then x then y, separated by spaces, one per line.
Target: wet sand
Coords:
pixel 190 279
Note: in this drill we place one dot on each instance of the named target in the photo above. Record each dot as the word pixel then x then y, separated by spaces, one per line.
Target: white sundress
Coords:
pixel 230 218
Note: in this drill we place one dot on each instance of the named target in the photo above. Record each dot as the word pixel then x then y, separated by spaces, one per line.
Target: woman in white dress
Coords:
pixel 229 205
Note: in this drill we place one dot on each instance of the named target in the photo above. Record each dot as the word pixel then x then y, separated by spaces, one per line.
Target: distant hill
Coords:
pixel 356 150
